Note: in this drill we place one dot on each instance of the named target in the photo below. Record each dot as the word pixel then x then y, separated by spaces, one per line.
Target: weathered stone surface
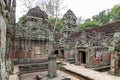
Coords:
pixel 13 77
pixel 3 48
pixel 37 12
pixel 69 26
pixel 52 66
pixel 35 36
pixel 6 9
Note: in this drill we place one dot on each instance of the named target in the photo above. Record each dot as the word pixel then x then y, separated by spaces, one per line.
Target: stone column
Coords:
pixel 117 68
pixel 77 57
pixel 59 54
pixel 52 66
pixel 80 58
pixel 87 56
pixel 112 66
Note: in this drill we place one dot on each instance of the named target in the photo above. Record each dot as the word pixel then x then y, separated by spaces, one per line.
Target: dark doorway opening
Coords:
pixel 62 54
pixel 56 52
pixel 83 57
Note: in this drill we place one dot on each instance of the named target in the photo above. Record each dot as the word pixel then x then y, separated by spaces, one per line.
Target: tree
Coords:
pixel 115 13
pixel 6 7
pixel 103 17
pixel 88 24
pixel 28 3
pixel 52 23
pixel 3 47
pixel 53 8
pixel 106 16
pixel 42 5
pixel 22 19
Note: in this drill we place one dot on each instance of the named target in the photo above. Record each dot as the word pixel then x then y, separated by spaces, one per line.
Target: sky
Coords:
pixel 81 8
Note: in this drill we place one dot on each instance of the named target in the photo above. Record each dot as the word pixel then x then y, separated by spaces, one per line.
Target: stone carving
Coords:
pixel 69 24
pixel 35 31
pixel 115 60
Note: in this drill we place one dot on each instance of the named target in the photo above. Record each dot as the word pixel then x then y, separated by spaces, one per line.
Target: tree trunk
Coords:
pixel 3 48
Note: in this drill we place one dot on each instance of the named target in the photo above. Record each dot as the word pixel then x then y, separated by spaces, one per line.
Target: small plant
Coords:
pixel 25 59
pixel 51 76
pixel 15 60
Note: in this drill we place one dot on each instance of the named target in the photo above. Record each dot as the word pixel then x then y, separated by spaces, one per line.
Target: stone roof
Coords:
pixel 75 35
pixel 69 13
pixel 37 12
pixel 107 28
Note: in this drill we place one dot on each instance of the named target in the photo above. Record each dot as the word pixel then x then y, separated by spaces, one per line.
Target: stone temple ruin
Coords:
pixel 31 46
pixel 36 42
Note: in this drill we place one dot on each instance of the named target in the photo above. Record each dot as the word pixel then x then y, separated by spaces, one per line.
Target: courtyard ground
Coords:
pixel 95 75
pixel 61 75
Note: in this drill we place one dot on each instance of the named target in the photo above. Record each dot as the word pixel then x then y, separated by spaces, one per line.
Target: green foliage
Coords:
pixel 22 19
pixel 107 15
pixel 52 23
pixel 103 17
pixel 51 76
pixel 115 13
pixel 87 24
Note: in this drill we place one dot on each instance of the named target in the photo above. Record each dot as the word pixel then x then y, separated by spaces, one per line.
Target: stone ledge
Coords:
pixel 91 74
pixel 13 77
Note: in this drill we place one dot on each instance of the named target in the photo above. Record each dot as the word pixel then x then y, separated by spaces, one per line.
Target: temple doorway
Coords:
pixel 56 52
pixel 83 57
pixel 62 54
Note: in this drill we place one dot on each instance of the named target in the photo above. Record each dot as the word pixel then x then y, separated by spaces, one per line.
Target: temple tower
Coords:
pixel 69 24
pixel 35 34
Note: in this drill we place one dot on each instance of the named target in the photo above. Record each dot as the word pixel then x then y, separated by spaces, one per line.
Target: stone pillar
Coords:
pixel 59 56
pixel 117 64
pixel 67 55
pixel 112 66
pixel 87 57
pixel 52 66
pixel 76 58
pixel 80 58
